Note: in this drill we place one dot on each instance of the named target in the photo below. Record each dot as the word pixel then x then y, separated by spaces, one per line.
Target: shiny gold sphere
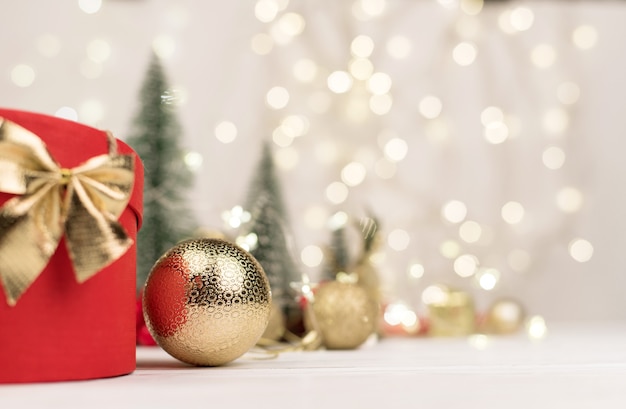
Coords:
pixel 345 314
pixel 206 302
pixel 504 316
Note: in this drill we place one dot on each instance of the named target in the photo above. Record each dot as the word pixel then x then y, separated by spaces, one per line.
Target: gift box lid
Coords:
pixel 56 131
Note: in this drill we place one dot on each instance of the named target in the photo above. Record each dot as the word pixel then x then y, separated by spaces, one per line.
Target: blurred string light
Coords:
pixel 585 36
pixel 248 242
pixel 521 18
pixel 236 216
pixel 359 92
pixel 49 45
pixel 466 265
pixel 581 250
pixel 470 231
pixel 337 192
pixel 266 10
pixel 516 20
pixel 401 314
pixel 450 249
pixel 337 220
pixel 380 104
pixel 536 327
pixel 471 7
pixel 311 256
pixel 435 294
pixel 568 93
pixel 555 121
pixel 449 4
pixel 315 217
pixel 353 174
pixel 430 107
pixel 454 211
pixel 286 28
pixel 553 157
pixel 225 132
pixel 362 46
pixel 91 111
pixel 90 6
pixel 287 158
pixel 569 199
pixel 339 82
pixel 464 53
pixel 67 113
pixel 512 212
pixel 23 75
pixel 305 70
pixel 396 149
pixel 416 271
pixel 468 28
pixel 262 44
pixel 277 97
pixel 543 55
pixel 495 130
pixel 193 160
pixel 174 96
pixel 399 47
pixel 164 46
pixel 479 341
pixel 379 83
pixel 98 50
pixel 398 239
pixel 365 10
pixel 487 278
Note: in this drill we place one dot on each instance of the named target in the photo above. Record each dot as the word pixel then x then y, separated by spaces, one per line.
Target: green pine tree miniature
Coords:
pixel 337 256
pixel 155 136
pixel 269 222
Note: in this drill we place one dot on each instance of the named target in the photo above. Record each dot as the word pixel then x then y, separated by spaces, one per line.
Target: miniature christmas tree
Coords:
pixel 156 137
pixel 337 256
pixel 272 249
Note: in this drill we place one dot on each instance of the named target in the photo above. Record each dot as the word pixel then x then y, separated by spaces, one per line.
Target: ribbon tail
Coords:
pixel 30 230
pixel 94 238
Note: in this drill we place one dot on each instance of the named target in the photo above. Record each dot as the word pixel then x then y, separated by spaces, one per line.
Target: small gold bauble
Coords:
pixel 367 277
pixel 276 326
pixel 206 301
pixel 345 314
pixel 504 316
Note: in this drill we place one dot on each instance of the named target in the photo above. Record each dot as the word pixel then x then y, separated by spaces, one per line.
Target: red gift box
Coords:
pixel 58 329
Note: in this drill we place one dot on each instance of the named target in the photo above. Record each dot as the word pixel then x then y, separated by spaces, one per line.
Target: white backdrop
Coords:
pixel 555 74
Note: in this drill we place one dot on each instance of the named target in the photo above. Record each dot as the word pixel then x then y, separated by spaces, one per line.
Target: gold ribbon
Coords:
pixel 83 203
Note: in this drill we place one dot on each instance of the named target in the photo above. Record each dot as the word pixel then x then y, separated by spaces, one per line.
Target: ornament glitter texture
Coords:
pixel 206 302
pixel 345 314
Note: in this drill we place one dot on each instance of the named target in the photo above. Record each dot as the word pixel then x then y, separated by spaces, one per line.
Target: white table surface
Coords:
pixel 576 366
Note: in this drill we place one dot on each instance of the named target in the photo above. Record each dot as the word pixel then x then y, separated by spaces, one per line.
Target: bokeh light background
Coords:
pixel 488 139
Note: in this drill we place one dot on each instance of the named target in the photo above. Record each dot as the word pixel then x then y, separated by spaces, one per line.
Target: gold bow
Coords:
pixel 84 203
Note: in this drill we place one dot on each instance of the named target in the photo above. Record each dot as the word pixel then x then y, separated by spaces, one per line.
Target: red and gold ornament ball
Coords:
pixel 206 301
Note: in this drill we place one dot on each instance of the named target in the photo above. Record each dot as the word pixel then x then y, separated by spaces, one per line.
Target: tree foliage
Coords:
pixel 156 136
pixel 269 222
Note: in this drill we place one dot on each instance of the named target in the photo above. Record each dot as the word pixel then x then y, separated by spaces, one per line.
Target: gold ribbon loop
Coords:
pixel 83 203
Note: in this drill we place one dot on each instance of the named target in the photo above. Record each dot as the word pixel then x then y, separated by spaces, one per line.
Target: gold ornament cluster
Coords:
pixel 207 302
